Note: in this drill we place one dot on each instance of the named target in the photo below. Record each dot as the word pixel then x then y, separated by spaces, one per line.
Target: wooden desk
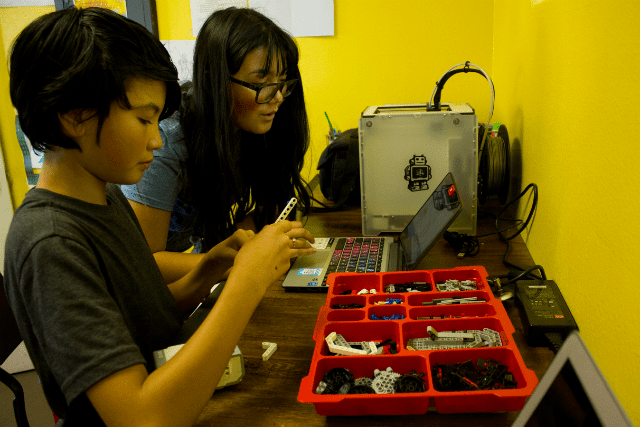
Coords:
pixel 267 395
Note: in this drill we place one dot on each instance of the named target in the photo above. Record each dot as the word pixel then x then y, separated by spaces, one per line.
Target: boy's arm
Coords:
pixel 190 277
pixel 175 394
pixel 190 290
pixel 155 226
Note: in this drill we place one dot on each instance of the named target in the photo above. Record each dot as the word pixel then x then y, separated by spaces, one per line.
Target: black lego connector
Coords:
pixel 464 245
pixel 545 315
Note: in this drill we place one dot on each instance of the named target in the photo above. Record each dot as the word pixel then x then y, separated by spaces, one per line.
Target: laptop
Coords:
pixel 572 392
pixel 379 254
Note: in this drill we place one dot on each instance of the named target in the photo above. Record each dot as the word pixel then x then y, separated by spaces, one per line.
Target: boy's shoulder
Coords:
pixel 45 214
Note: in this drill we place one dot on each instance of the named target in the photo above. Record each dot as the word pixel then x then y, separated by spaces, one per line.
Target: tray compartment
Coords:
pixel 458 274
pixel 357 332
pixel 402 277
pixel 447 402
pixel 354 282
pixel 381 311
pixel 378 298
pixel 366 404
pixel 452 311
pixel 417 299
pixel 346 315
pixel 418 329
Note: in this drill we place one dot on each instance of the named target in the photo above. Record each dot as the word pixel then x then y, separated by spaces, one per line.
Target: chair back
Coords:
pixel 11 339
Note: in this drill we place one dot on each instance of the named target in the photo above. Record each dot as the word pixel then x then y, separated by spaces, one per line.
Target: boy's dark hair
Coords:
pixel 80 59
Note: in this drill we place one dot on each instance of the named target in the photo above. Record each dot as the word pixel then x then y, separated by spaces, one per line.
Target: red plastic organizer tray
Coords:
pixel 355 325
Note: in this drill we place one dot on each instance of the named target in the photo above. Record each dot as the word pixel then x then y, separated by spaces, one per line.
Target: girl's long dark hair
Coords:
pixel 230 172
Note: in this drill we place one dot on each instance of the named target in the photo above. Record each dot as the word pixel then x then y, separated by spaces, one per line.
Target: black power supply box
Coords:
pixel 544 312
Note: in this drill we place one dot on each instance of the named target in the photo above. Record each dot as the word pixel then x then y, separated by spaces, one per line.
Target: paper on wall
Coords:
pixel 300 18
pixel 202 9
pixel 181 52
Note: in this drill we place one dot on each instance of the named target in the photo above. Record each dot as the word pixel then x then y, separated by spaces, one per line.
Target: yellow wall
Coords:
pixel 381 53
pixel 566 85
pixel 567 72
pixel 12 21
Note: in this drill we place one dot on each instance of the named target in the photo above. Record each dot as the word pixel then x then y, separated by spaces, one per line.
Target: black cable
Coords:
pixel 507 239
pixel 440 83
pixel 526 273
pixel 555 341
pixel 517 220
pixel 464 245
pixel 534 205
pixel 314 209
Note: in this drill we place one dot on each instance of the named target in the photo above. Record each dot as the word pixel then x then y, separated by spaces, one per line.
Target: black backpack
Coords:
pixel 339 171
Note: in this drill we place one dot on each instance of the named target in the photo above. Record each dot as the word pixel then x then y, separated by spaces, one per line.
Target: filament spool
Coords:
pixel 494 175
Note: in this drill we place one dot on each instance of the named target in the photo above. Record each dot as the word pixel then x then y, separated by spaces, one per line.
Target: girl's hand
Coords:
pixel 267 255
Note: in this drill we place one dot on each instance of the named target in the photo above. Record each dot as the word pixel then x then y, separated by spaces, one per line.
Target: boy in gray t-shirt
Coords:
pixel 90 87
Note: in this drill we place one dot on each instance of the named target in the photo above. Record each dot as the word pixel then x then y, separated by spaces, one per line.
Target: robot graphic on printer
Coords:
pixel 418 173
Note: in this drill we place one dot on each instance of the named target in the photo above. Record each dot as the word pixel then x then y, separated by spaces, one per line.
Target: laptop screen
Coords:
pixel 573 392
pixel 431 221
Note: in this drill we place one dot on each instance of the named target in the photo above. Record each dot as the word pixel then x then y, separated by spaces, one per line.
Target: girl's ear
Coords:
pixel 73 123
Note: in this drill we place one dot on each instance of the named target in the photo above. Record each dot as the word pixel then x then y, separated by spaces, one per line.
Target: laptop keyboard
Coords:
pixel 357 255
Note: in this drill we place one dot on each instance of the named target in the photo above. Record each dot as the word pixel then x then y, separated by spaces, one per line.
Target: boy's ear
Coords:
pixel 73 123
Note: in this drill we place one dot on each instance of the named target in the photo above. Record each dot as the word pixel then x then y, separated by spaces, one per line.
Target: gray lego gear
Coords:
pixel 384 381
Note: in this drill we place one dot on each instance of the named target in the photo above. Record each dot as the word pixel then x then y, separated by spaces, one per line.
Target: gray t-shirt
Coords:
pixel 87 294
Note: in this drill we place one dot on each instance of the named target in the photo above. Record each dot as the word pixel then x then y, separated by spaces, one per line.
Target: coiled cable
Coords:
pixel 494 173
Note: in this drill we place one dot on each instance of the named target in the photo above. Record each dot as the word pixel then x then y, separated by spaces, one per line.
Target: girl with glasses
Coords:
pixel 232 156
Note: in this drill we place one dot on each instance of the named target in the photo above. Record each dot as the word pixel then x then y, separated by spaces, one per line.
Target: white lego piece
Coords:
pixel 270 350
pixel 372 291
pixel 363 292
pixel 340 341
pixel 346 350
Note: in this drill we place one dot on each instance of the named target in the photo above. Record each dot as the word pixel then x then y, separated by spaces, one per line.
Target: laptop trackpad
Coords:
pixel 317 260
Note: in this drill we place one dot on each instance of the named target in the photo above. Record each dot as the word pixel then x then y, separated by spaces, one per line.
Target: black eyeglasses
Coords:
pixel 266 92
